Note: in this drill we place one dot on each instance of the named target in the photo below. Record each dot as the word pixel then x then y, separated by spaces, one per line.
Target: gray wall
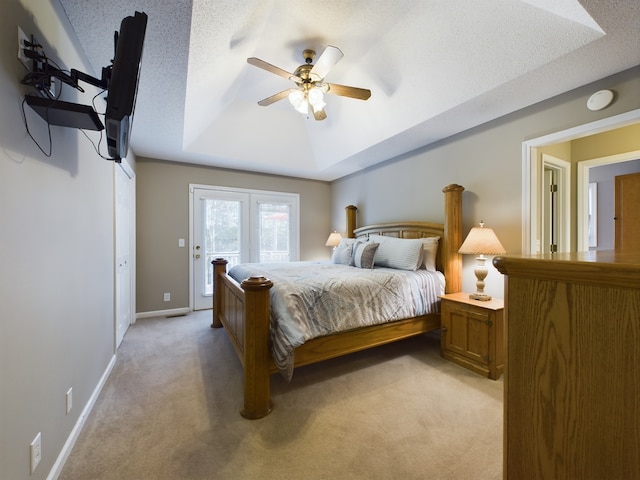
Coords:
pixel 56 257
pixel 56 239
pixel 486 160
pixel 163 217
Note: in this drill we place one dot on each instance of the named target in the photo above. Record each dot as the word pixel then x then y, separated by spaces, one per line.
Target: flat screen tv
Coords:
pixel 123 84
pixel 120 80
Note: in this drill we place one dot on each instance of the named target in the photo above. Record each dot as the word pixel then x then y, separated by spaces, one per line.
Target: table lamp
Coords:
pixel 481 241
pixel 333 240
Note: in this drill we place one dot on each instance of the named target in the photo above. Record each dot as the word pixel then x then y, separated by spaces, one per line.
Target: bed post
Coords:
pixel 452 260
pixel 257 396
pixel 351 220
pixel 219 267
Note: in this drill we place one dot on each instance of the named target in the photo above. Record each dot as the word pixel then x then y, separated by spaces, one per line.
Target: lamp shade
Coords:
pixel 333 240
pixel 482 241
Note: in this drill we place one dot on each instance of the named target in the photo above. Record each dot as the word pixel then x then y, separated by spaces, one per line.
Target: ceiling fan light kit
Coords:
pixel 310 90
pixel 307 96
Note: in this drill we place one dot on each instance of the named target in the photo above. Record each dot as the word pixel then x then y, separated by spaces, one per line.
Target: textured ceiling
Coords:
pixel 435 68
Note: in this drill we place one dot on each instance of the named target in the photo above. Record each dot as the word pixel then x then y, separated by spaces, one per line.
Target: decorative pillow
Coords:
pixel 343 252
pixel 364 254
pixel 400 253
pixel 430 248
pixel 347 242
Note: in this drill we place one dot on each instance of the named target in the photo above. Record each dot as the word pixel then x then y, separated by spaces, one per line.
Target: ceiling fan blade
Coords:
pixel 329 57
pixel 319 114
pixel 344 91
pixel 256 62
pixel 274 98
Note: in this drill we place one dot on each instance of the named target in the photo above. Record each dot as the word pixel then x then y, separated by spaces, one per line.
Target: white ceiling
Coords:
pixel 434 67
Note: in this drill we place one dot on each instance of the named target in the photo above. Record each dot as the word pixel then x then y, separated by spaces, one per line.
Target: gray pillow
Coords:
pixel 400 253
pixel 364 254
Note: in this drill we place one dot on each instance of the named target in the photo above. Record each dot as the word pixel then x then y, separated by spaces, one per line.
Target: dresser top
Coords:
pixel 608 268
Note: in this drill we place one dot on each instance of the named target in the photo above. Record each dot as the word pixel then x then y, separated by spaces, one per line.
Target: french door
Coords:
pixel 240 226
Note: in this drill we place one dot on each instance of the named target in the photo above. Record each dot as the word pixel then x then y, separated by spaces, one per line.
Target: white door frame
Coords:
pixel 531 171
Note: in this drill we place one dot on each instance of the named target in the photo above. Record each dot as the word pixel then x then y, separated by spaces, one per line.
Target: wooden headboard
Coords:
pixel 448 261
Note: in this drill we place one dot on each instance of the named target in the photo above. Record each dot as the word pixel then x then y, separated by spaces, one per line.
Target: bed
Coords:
pixel 243 307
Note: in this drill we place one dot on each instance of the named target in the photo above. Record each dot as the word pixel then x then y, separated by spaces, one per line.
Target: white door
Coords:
pixel 240 226
pixel 555 205
pixel 627 212
pixel 275 237
pixel 219 220
pixel 124 195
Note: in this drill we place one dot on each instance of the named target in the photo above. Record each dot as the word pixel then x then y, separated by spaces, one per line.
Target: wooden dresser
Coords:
pixel 572 366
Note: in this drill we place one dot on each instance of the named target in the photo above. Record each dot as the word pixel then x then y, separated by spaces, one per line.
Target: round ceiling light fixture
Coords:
pixel 599 100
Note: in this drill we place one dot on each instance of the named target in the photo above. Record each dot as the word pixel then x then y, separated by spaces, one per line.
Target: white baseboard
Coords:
pixel 77 428
pixel 164 313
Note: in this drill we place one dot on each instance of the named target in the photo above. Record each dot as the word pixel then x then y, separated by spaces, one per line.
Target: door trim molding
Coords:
pixel 530 168
pixel 563 171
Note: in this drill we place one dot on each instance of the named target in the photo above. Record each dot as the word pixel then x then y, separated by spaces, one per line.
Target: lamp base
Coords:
pixel 480 296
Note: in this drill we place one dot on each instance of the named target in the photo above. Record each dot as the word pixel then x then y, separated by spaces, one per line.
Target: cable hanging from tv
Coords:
pixel 119 80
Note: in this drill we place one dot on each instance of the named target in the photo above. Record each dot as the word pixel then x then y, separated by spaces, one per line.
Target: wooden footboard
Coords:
pixel 244 311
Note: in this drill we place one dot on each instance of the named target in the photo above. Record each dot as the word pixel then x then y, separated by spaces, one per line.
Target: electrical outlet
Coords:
pixel 69 400
pixel 35 449
pixel 22 37
pixel 167 297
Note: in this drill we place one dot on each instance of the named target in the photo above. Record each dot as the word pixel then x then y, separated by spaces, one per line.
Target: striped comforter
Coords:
pixel 311 299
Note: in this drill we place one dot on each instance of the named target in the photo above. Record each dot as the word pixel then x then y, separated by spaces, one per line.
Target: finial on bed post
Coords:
pixel 351 220
pixel 452 237
pixel 219 267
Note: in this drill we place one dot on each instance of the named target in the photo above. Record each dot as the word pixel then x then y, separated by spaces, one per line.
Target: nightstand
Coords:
pixel 472 333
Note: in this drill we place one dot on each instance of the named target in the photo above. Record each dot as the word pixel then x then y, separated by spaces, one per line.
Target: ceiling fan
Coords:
pixel 309 79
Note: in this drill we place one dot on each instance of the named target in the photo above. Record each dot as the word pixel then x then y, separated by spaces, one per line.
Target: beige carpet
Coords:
pixel 170 411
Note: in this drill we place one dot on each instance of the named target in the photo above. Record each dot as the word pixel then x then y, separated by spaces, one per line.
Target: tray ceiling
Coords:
pixel 435 68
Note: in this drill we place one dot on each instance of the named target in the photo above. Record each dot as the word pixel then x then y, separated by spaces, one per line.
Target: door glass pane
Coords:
pixel 221 233
pixel 274 225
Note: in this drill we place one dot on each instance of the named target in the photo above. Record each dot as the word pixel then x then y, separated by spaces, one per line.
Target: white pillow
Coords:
pixel 343 252
pixel 364 254
pixel 344 242
pixel 430 252
pixel 400 253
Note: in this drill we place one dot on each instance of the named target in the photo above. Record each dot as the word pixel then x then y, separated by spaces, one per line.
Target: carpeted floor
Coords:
pixel 170 411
